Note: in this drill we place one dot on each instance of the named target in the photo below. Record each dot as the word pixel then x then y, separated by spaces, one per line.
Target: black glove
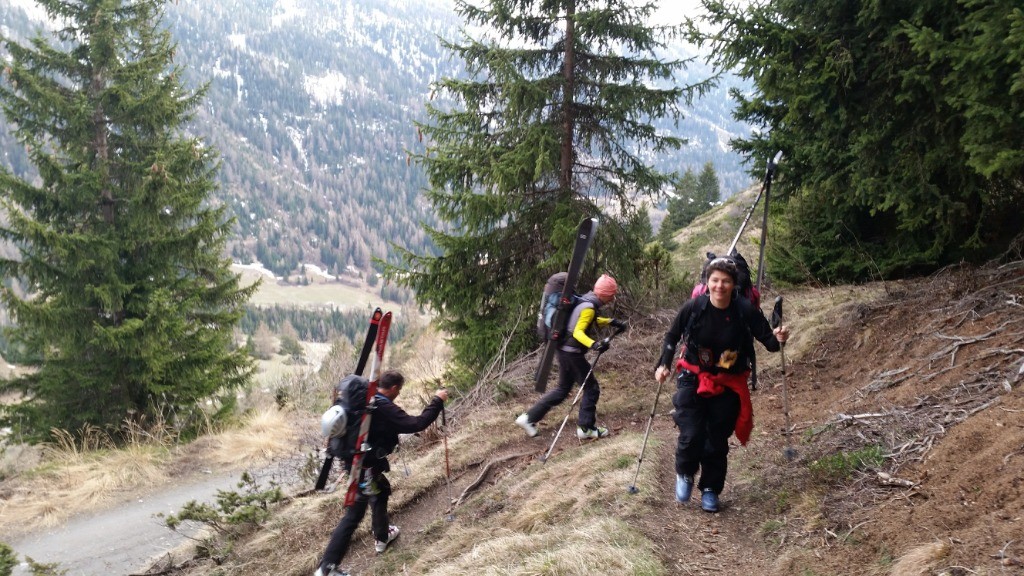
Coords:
pixel 619 325
pixel 601 345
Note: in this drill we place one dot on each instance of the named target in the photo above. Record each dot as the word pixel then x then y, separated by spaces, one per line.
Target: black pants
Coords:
pixel 705 425
pixel 342 536
pixel 572 369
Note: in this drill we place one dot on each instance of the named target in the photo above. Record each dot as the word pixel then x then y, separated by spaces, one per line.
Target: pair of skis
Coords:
pixel 584 238
pixel 376 339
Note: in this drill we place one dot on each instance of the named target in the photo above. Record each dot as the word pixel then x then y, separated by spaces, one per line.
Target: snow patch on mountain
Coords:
pixel 285 10
pixel 327 89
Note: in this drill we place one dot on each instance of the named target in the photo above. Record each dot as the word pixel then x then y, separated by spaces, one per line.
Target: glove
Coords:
pixel 619 325
pixel 601 345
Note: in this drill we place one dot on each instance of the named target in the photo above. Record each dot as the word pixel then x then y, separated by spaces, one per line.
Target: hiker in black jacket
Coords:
pixel 386 422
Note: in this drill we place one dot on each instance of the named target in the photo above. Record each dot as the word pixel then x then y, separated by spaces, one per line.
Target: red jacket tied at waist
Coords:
pixel 714 384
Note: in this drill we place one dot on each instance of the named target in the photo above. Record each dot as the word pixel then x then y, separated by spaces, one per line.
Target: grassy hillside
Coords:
pixel 866 494
pixel 905 402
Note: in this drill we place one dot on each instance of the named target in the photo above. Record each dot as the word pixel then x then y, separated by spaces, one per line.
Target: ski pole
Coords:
pixel 405 465
pixel 447 465
pixel 790 452
pixel 579 393
pixel 767 187
pixel 632 487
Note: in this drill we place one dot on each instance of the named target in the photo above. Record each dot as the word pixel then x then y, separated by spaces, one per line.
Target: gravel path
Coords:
pixel 123 539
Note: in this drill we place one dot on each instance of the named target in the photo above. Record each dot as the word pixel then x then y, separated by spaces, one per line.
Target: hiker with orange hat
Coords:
pixel 573 366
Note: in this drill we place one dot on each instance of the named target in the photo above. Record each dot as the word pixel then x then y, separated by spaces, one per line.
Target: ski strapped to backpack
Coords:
pixel 362 447
pixel 334 421
pixel 584 238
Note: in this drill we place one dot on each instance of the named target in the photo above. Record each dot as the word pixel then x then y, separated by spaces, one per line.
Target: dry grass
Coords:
pixel 596 546
pixel 921 560
pixel 562 517
pixel 264 433
pixel 80 475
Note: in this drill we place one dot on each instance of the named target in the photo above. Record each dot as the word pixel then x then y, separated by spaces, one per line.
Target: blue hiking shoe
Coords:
pixel 709 500
pixel 684 488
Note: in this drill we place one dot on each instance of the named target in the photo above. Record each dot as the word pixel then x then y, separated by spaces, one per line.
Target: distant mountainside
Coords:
pixel 311 105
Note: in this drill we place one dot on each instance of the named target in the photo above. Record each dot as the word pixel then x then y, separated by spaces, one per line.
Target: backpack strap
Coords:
pixel 696 319
pixel 696 313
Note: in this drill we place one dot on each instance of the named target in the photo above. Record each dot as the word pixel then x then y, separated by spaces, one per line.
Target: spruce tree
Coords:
pixel 708 188
pixel 553 123
pixel 694 195
pixel 683 207
pixel 129 303
pixel 900 124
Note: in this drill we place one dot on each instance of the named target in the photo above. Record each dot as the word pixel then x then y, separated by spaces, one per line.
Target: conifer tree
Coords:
pixel 900 124
pixel 129 303
pixel 694 195
pixel 708 188
pixel 552 124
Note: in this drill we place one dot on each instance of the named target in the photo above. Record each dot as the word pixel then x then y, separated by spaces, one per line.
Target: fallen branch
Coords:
pixel 961 341
pixel 889 480
pixel 847 417
pixel 483 474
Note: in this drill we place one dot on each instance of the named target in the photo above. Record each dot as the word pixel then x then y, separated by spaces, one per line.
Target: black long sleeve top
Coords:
pixel 720 336
pixel 388 420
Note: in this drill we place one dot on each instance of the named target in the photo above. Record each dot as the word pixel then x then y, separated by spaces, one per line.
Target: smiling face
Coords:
pixel 720 285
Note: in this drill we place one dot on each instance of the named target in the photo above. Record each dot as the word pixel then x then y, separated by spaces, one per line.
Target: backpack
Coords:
pixel 550 304
pixel 744 285
pixel 340 423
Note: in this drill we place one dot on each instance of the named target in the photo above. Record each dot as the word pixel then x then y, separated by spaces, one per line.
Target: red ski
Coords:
pixel 364 355
pixel 364 425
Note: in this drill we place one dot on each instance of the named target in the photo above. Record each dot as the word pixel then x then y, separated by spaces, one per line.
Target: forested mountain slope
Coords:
pixel 312 107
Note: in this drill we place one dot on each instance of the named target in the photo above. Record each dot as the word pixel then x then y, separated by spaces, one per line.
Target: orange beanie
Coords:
pixel 605 287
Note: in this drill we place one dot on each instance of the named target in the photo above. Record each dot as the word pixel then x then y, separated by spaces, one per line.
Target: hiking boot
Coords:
pixel 331 571
pixel 524 422
pixel 709 500
pixel 597 432
pixel 684 488
pixel 380 547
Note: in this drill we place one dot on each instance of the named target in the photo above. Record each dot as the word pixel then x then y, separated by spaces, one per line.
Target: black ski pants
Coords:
pixel 337 547
pixel 572 369
pixel 705 425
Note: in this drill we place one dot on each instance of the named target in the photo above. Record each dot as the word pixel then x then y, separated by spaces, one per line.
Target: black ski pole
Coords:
pixel 579 393
pixel 766 187
pixel 447 466
pixel 769 174
pixel 790 452
pixel 640 460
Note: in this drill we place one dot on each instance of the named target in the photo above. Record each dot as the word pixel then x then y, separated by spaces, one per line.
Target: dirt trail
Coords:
pixel 417 517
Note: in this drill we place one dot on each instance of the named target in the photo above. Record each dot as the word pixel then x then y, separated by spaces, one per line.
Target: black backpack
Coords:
pixel 340 423
pixel 549 305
